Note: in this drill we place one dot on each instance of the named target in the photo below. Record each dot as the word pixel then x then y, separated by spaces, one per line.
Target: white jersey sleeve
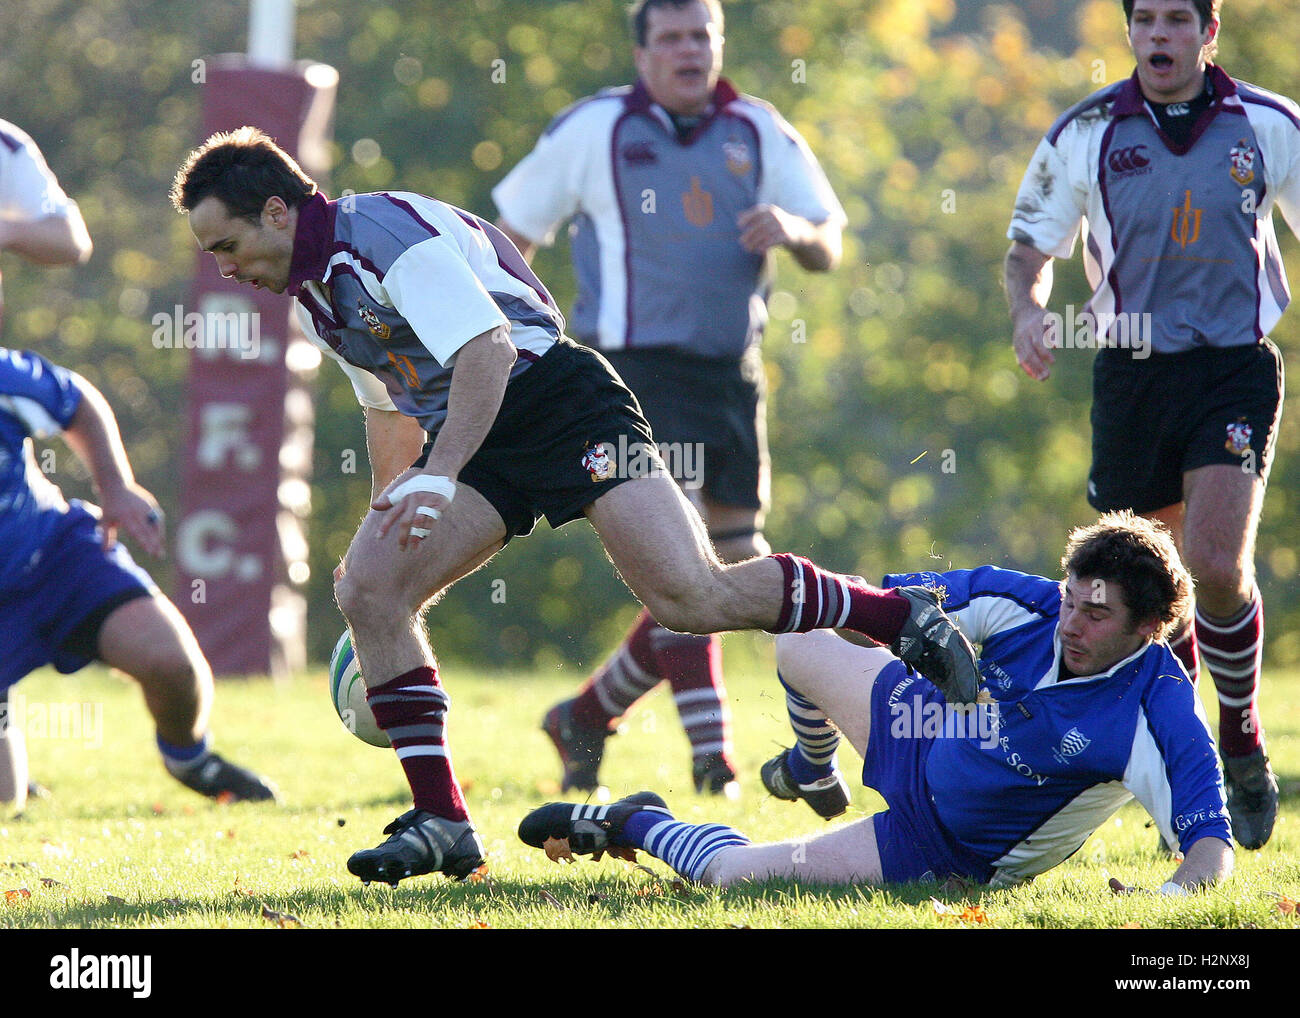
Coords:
pixel 1279 139
pixel 28 189
pixel 1053 197
pixel 434 288
pixel 566 172
pixel 792 177
pixel 369 390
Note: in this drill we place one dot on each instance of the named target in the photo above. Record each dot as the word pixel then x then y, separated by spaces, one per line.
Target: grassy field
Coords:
pixel 119 845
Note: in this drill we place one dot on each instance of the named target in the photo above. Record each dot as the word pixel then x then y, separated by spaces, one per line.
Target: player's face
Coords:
pixel 1097 629
pixel 682 57
pixel 1169 44
pixel 257 253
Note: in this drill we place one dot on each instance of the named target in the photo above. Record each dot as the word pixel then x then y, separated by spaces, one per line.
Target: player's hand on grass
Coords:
pixel 133 509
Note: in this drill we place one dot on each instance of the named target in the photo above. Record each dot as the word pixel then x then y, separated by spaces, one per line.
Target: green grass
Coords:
pixel 120 845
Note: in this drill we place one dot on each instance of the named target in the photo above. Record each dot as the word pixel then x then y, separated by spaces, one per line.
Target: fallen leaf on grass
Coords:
pixel 557 849
pixel 551 899
pixel 479 924
pixel 158 809
pixel 1285 905
pixel 479 875
pixel 622 852
pixel 16 865
pixel 650 890
pixel 51 882
pixel 302 853
pixel 17 894
pixel 1130 926
pixel 965 914
pixel 113 899
pixel 282 919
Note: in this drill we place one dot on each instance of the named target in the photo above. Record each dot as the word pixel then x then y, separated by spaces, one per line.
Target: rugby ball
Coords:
pixel 348 692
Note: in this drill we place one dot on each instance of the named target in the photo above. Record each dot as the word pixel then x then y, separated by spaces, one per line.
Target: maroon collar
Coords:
pixel 312 241
pixel 1130 102
pixel 639 101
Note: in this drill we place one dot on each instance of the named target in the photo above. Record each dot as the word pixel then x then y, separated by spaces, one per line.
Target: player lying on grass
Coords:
pixel 70 594
pixel 1086 708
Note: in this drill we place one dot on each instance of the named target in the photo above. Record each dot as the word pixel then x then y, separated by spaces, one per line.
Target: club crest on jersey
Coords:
pixel 1073 743
pixel 1242 158
pixel 1239 436
pixel 596 461
pixel 377 328
pixel 738 158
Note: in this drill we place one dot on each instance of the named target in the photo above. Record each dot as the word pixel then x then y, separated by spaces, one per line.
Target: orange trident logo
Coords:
pixel 697 204
pixel 1187 223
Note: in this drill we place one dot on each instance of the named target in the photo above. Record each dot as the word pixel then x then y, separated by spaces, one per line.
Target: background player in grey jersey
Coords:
pixel 673 294
pixel 1175 173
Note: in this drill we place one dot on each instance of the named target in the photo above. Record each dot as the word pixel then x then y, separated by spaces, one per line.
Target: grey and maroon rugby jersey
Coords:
pixel 656 247
pixel 1182 233
pixel 393 284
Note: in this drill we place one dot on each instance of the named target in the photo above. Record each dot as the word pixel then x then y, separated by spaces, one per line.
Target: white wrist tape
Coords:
pixel 439 485
pixel 1169 887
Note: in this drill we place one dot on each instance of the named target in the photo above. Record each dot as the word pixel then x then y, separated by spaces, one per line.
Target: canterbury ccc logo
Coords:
pixel 1126 160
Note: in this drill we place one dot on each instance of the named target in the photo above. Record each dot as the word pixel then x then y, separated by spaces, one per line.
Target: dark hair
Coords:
pixel 1140 556
pixel 639 12
pixel 243 168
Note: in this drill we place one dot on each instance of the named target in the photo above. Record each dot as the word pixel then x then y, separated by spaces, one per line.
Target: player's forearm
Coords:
pixel 94 436
pixel 1027 274
pixel 819 246
pixel 1206 862
pixel 478 384
pixel 393 442
pixel 53 240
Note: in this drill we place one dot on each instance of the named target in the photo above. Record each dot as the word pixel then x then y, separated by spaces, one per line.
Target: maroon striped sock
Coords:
pixel 628 675
pixel 813 598
pixel 1232 650
pixel 1183 644
pixel 693 667
pixel 411 709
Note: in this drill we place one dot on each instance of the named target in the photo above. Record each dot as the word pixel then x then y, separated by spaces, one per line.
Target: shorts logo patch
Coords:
pixel 377 328
pixel 1239 435
pixel 1242 157
pixel 596 461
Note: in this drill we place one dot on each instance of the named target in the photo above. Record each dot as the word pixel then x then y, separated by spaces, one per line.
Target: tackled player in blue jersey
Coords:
pixel 1174 174
pixel 71 594
pixel 482 418
pixel 1083 708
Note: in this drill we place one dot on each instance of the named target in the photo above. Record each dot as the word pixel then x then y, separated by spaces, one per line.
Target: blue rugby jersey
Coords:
pixel 392 285
pixel 655 244
pixel 1067 754
pixel 37 399
pixel 1182 233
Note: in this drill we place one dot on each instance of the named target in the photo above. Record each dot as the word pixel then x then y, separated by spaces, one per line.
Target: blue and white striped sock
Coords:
pixel 182 759
pixel 689 848
pixel 816 738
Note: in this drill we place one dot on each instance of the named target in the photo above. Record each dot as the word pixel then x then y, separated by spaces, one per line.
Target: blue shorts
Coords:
pixel 53 611
pixel 913 844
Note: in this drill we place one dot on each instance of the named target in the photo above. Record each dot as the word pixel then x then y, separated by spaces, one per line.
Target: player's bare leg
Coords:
pixel 660 546
pixel 1223 505
pixel 382 590
pixel 846 855
pixel 148 639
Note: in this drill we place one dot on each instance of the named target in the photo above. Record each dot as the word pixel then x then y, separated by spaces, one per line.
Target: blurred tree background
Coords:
pixel 903 434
